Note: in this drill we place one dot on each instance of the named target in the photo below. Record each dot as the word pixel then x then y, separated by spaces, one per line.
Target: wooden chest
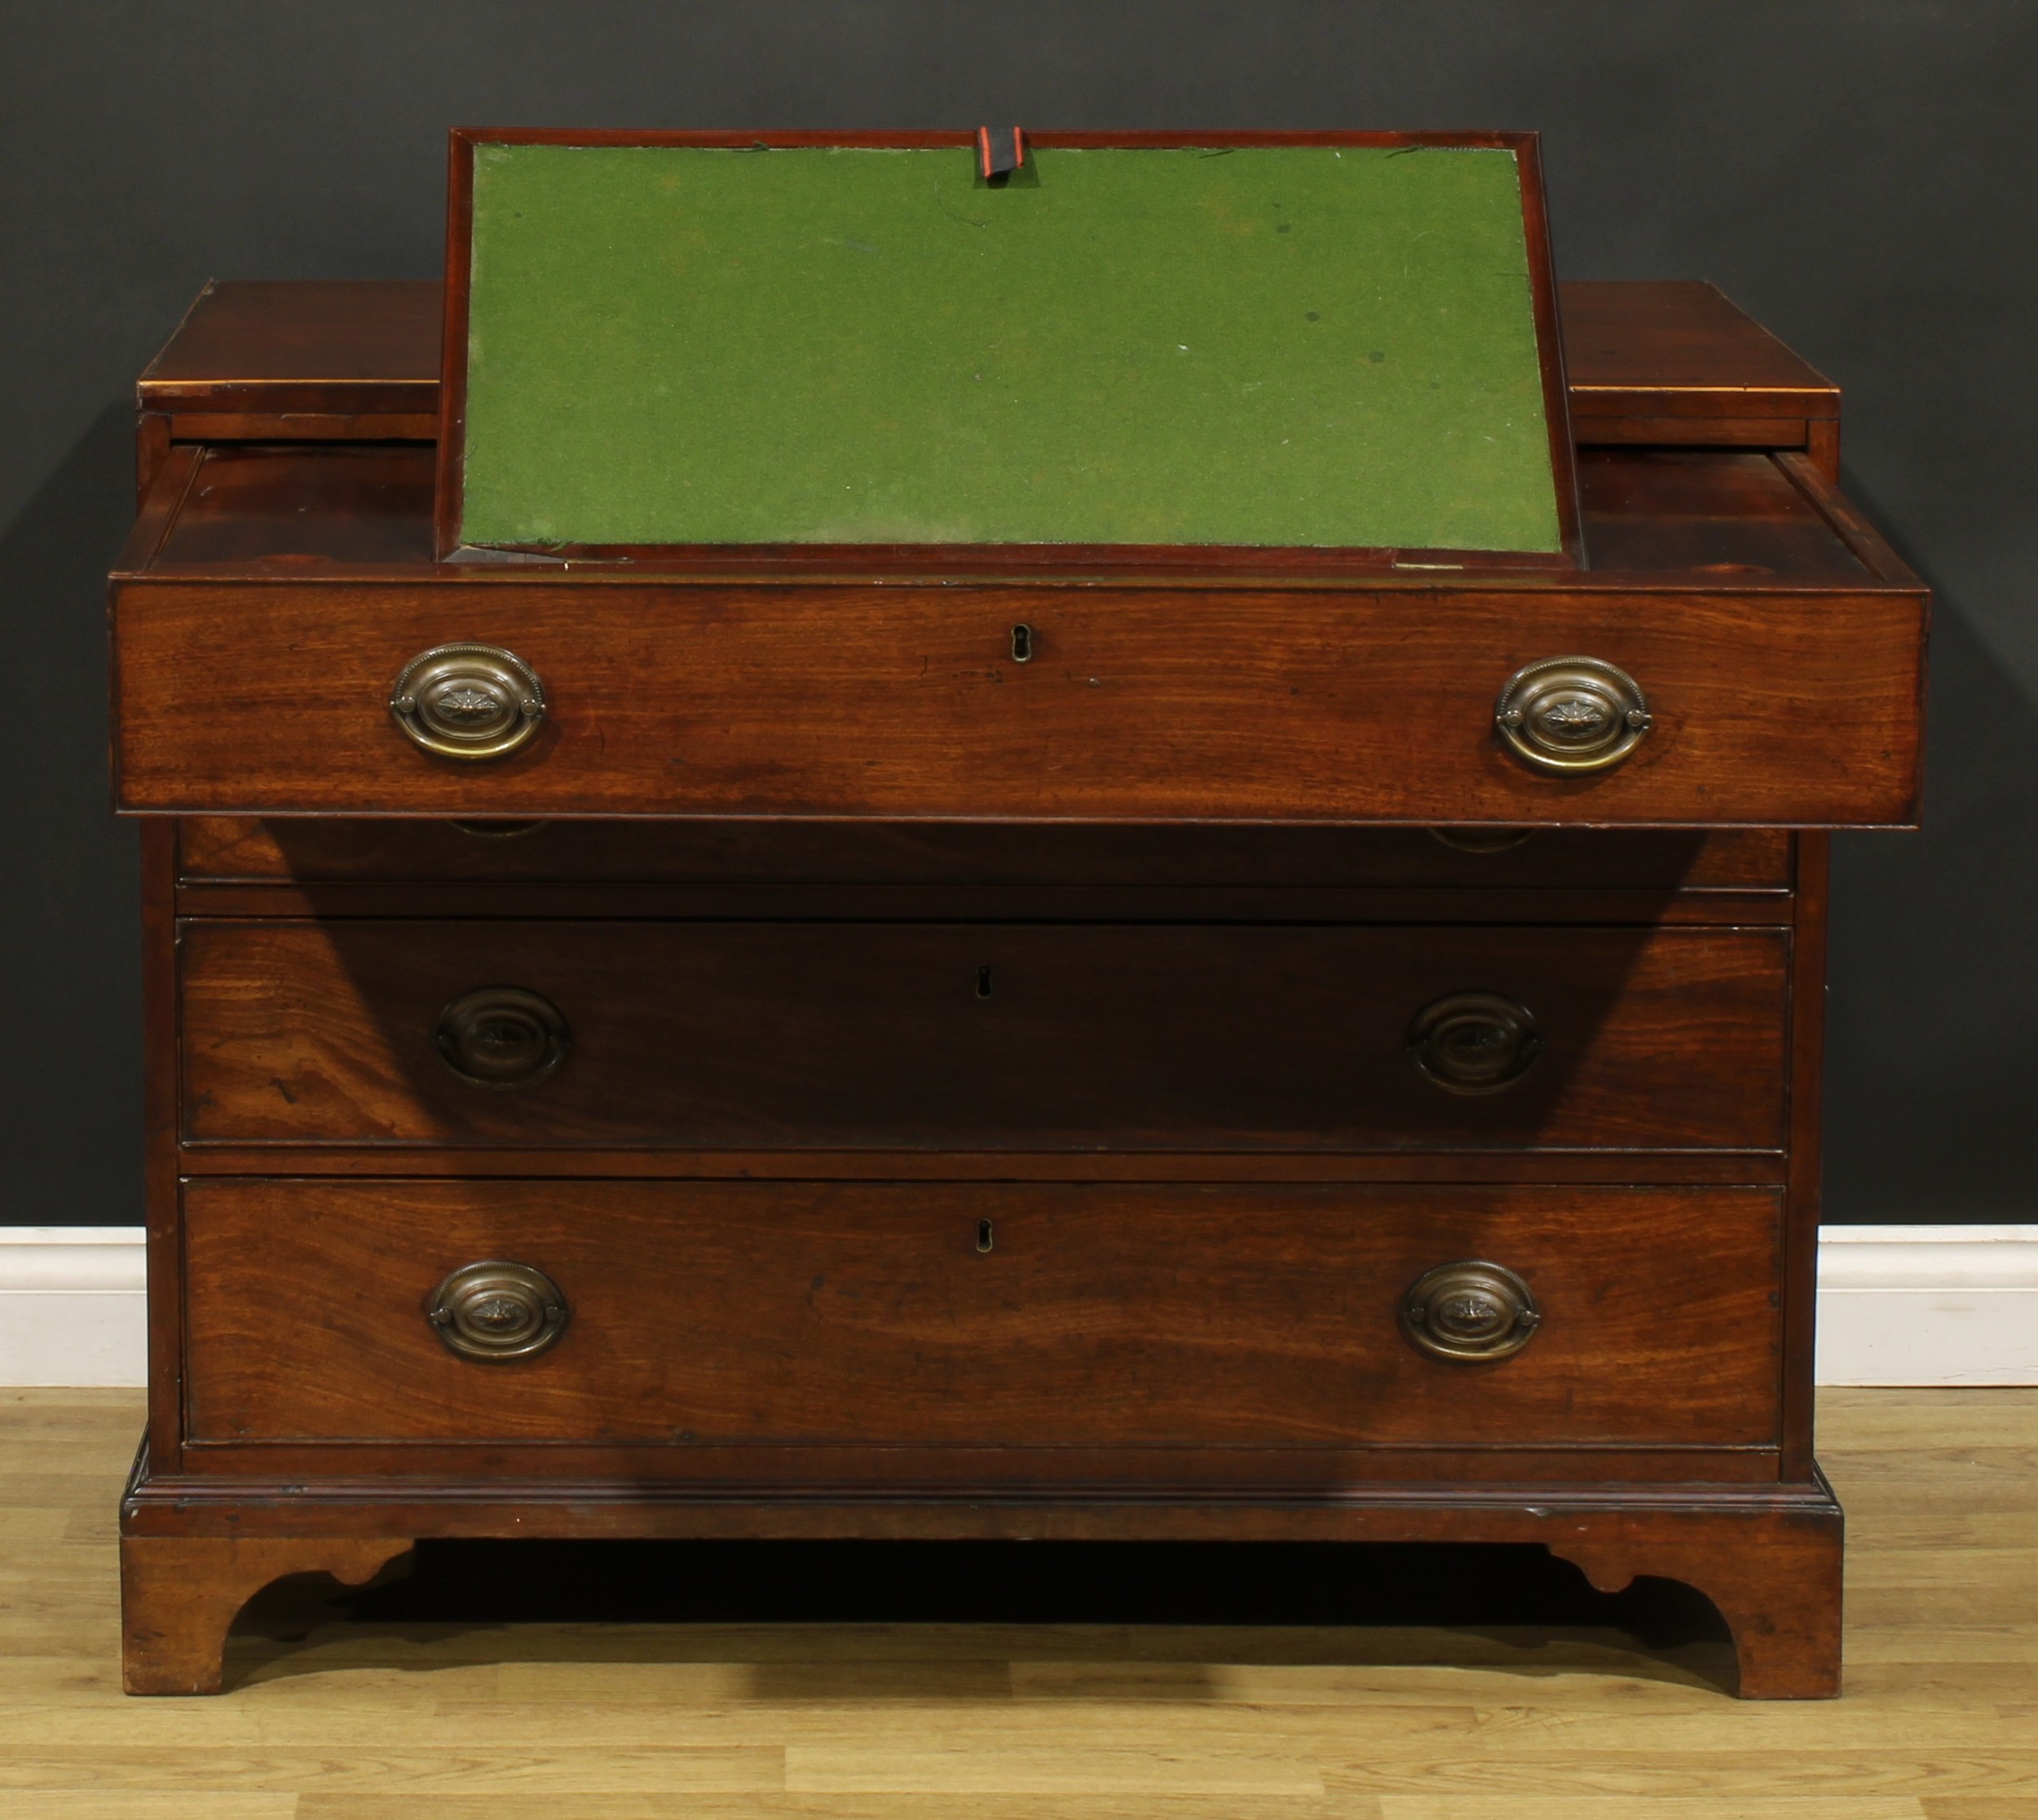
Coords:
pixel 979 1056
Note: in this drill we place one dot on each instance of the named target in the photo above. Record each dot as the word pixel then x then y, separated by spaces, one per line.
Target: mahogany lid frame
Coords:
pixel 1004 559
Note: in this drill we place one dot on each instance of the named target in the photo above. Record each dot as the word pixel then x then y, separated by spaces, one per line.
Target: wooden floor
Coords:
pixel 339 1716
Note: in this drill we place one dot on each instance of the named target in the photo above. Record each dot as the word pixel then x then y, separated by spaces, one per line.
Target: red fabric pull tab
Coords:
pixel 1000 150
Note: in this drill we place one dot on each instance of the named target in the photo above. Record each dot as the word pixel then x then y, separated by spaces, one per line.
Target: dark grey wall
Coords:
pixel 1859 175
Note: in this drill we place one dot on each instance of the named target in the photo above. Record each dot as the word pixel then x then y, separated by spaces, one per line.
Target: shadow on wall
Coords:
pixel 69 917
pixel 1934 1002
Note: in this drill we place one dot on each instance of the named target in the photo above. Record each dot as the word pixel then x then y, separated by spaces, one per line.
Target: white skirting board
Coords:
pixel 1918 1305
pixel 1928 1305
pixel 73 1305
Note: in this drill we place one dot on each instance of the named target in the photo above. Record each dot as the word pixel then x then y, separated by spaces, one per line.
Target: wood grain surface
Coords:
pixel 221 849
pixel 1103 1317
pixel 1793 709
pixel 1670 361
pixel 1093 1705
pixel 996 1037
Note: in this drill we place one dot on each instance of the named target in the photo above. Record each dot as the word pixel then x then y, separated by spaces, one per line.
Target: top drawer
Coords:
pixel 1759 662
pixel 1134 702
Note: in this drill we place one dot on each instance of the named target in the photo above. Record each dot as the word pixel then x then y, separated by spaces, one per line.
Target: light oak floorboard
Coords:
pixel 1137 1804
pixel 94 1804
pixel 331 1718
pixel 1667 1807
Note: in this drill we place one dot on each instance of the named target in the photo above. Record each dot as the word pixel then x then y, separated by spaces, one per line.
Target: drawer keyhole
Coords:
pixel 1022 644
pixel 983 982
pixel 983 1235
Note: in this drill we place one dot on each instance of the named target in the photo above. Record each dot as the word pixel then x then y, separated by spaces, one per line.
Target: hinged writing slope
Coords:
pixel 1324 345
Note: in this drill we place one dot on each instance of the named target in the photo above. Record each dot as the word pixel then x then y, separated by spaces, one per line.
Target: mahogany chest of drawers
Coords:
pixel 965 1056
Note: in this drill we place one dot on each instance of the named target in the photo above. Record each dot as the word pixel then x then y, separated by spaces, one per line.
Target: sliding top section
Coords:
pixel 1669 363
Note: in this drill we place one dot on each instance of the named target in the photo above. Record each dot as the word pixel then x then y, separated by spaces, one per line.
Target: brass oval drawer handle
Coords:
pixel 1469 1312
pixel 497 1310
pixel 502 1036
pixel 1474 1042
pixel 498 830
pixel 468 701
pixel 1567 714
pixel 1482 840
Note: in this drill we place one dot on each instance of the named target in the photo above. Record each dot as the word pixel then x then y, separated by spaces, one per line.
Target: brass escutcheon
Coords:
pixel 502 1036
pixel 1569 715
pixel 1470 1313
pixel 497 1310
pixel 468 701
pixel 1473 1042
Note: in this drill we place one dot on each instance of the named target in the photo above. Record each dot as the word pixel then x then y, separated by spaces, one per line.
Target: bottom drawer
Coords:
pixel 931 1316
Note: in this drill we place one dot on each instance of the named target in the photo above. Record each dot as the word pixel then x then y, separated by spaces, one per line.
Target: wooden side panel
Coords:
pixel 872 1314
pixel 162 1010
pixel 1161 704
pixel 992 1036
pixel 1800 1281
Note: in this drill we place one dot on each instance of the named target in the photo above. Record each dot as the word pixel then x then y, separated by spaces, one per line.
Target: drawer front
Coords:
pixel 1786 708
pixel 985 1037
pixel 226 848
pixel 1098 1317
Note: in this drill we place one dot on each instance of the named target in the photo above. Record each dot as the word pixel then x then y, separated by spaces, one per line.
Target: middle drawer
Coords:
pixel 974 1035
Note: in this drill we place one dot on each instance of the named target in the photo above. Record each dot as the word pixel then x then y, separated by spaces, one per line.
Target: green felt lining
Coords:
pixel 1291 346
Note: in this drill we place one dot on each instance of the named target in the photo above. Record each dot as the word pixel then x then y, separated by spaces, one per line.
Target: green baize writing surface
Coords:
pixel 1292 345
